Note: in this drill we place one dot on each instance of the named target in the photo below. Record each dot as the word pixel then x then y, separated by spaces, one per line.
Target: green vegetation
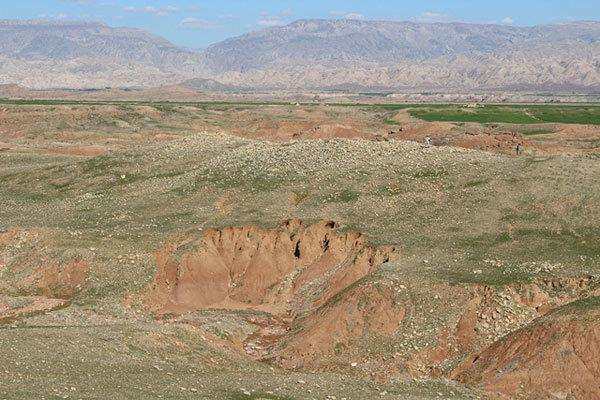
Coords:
pixel 513 114
pixel 590 303
pixel 343 196
pixel 476 183
pixel 536 131
pixel 527 245
pixel 428 174
pixel 490 276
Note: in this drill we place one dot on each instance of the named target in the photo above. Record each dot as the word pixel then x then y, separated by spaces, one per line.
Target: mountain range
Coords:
pixel 309 54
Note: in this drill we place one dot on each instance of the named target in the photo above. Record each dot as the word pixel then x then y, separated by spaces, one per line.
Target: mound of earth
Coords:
pixel 306 127
pixel 365 310
pixel 284 271
pixel 555 357
pixel 303 290
pixel 61 281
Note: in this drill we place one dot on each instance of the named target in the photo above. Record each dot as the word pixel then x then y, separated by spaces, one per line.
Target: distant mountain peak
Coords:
pixel 317 53
pixel 309 54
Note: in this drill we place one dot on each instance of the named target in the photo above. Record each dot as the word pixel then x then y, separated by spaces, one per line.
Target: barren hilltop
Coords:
pixel 310 54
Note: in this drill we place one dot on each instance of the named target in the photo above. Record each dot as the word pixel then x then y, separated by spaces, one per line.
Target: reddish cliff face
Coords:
pixel 311 280
pixel 294 268
pixel 555 357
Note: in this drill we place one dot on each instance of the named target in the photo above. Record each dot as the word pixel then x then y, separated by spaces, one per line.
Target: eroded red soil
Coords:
pixel 310 280
pixel 285 271
pixel 557 356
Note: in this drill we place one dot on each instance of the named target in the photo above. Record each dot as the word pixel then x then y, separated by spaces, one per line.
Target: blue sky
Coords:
pixel 198 23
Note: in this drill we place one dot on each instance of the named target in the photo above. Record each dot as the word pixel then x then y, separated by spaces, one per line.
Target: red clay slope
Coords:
pixel 285 271
pixel 555 357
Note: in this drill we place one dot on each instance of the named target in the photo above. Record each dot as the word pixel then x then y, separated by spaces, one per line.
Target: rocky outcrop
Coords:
pixel 305 289
pixel 489 313
pixel 310 297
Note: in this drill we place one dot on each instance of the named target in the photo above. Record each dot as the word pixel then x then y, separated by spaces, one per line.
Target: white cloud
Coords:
pixel 197 23
pixel 432 16
pixel 279 19
pixel 81 2
pixel 287 13
pixel 347 15
pixel 60 16
pixel 271 20
pixel 227 17
pixel 158 11
pixel 508 21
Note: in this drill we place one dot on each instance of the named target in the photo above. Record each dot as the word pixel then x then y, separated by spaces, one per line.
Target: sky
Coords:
pixel 199 23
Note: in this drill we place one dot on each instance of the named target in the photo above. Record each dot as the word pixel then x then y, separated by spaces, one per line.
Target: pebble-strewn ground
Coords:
pixel 519 234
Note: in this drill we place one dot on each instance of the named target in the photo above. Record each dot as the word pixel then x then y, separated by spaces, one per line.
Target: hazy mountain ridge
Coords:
pixel 355 41
pixel 88 54
pixel 312 54
pixel 315 53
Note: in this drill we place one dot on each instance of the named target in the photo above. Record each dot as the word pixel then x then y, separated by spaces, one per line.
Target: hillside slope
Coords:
pixel 554 357
pixel 144 245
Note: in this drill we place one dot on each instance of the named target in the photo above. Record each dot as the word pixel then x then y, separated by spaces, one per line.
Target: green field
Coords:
pixel 514 114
